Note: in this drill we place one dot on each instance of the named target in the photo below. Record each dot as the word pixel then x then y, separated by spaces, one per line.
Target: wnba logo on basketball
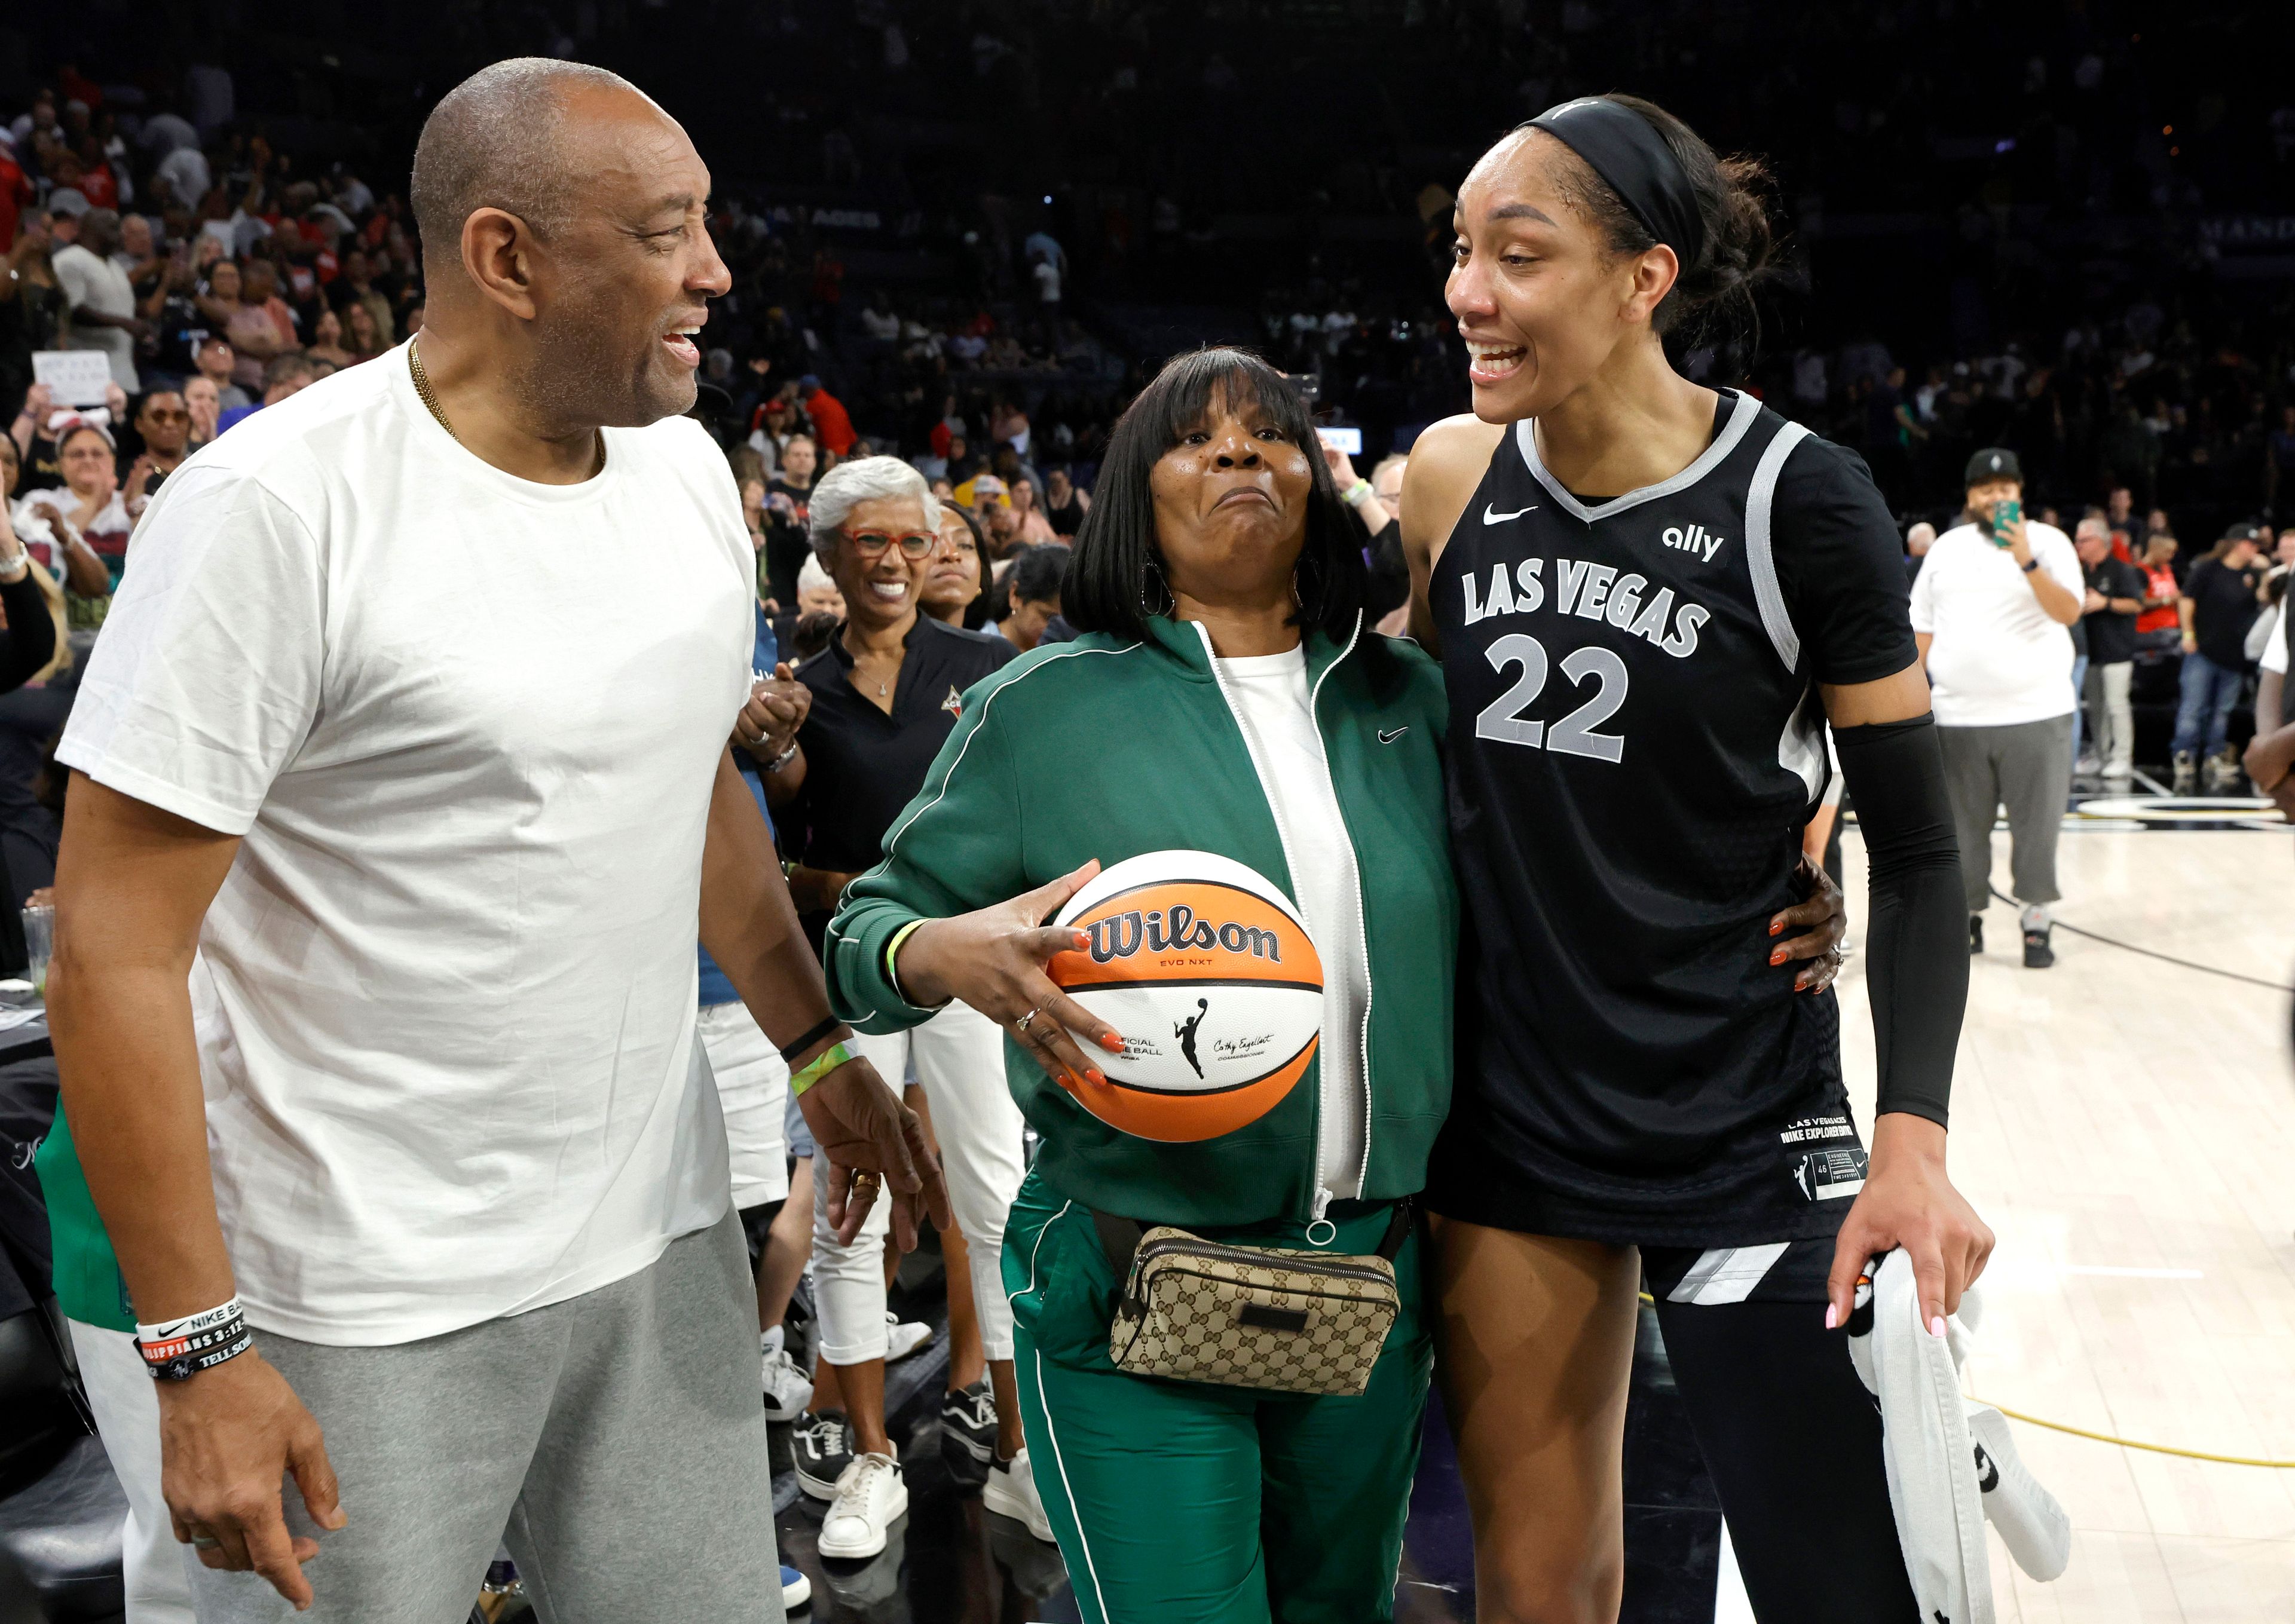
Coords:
pixel 1208 971
pixel 1120 936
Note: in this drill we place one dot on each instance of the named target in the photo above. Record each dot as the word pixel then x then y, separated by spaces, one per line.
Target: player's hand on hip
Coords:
pixel 1823 919
pixel 994 959
pixel 1907 1201
pixel 227 1438
pixel 876 1149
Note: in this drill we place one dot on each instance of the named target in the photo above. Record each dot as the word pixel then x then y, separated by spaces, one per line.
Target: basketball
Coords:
pixel 1208 973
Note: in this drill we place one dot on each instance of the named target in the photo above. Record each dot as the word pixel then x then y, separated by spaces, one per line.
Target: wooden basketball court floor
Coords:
pixel 2127 1127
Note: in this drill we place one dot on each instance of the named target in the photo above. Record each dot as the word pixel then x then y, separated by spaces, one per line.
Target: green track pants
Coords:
pixel 1177 1502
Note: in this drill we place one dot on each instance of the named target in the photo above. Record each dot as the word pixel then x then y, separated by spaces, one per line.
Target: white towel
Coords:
pixel 1951 1464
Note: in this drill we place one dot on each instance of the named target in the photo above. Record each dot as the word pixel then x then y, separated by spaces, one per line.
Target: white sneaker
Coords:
pixel 903 1337
pixel 797 1589
pixel 870 1498
pixel 1010 1491
pixel 787 1391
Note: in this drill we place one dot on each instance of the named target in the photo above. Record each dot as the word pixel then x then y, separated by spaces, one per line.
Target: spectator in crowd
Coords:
pixel 283 375
pixel 1027 596
pixel 1029 524
pixel 218 364
pixel 365 335
pixel 39 521
pixel 261 326
pixel 1991 613
pixel 952 589
pixel 2112 600
pixel 163 422
pixel 31 305
pixel 2159 627
pixel 1919 537
pixel 101 299
pixel 204 402
pixel 2271 753
pixel 1065 505
pixel 832 425
pixel 94 505
pixel 884 697
pixel 788 500
pixel 2221 597
pixel 327 341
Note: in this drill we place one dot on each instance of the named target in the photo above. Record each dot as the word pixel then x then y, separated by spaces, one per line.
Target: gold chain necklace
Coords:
pixel 422 388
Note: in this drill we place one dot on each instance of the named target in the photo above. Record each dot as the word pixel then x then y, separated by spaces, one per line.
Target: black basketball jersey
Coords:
pixel 1635 746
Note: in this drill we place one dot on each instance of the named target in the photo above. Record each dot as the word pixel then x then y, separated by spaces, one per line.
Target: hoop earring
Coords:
pixel 1170 603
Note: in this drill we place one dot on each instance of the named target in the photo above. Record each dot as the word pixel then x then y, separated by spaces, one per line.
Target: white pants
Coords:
pixel 120 1391
pixel 751 1085
pixel 2115 717
pixel 960 1060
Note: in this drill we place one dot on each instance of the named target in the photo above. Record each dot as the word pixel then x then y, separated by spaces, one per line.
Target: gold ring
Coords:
pixel 867 1183
pixel 1022 1024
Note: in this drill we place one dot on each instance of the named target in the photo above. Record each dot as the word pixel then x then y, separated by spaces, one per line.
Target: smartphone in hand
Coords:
pixel 2003 515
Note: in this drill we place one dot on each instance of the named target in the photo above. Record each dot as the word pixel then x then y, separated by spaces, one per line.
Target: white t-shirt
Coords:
pixel 468 726
pixel 2274 643
pixel 1271 691
pixel 1997 659
pixel 94 282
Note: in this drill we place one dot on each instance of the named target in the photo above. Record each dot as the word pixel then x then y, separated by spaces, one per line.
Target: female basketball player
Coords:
pixel 1648 596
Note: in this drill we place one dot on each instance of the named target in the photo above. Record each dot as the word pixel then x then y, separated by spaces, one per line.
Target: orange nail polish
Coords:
pixel 1778 956
pixel 1097 1076
pixel 1113 1044
pixel 1777 928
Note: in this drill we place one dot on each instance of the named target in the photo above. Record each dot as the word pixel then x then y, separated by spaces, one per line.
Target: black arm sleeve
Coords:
pixel 1918 953
pixel 30 641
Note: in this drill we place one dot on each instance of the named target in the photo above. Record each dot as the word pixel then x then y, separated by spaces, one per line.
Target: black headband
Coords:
pixel 1625 151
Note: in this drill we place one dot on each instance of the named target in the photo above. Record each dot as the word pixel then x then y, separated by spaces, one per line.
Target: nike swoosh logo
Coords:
pixel 1386 738
pixel 1492 517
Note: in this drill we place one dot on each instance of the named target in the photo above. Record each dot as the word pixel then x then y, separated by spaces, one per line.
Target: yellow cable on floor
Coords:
pixel 2125 1443
pixel 2129 1443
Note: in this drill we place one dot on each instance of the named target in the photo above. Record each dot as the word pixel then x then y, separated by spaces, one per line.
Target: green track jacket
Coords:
pixel 1108 748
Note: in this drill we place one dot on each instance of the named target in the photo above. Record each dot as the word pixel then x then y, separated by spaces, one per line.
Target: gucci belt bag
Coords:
pixel 1259 1317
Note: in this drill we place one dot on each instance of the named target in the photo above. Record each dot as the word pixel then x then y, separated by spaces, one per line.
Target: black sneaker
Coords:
pixel 967 1433
pixel 821 1446
pixel 1975 935
pixel 2037 954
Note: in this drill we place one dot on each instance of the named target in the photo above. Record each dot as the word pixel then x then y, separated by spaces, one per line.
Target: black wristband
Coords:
pixel 813 1035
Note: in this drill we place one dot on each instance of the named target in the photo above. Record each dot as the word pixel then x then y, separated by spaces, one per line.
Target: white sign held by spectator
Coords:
pixel 74 377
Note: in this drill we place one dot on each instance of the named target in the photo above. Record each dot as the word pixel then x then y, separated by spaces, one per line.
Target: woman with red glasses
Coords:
pixel 882 699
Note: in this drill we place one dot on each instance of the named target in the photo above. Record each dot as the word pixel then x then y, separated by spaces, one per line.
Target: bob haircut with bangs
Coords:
pixel 1108 587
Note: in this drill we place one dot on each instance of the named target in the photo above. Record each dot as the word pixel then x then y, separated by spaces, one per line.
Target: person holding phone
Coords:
pixel 1992 613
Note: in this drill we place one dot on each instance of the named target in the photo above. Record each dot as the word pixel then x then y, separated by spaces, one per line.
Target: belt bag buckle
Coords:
pixel 1280 1321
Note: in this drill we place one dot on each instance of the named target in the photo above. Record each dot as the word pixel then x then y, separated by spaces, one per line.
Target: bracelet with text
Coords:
pixel 831 1058
pixel 175 1349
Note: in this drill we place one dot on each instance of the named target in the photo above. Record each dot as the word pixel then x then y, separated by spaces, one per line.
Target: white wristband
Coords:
pixel 189 1324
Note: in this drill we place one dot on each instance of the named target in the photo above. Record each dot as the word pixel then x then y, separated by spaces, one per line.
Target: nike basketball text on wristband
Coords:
pixel 1625 151
pixel 833 1056
pixel 175 1350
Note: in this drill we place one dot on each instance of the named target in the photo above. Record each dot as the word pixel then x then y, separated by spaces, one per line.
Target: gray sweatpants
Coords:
pixel 2026 767
pixel 614 1441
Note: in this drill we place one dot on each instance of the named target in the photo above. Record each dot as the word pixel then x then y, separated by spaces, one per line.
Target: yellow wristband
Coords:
pixel 893 953
pixel 830 1059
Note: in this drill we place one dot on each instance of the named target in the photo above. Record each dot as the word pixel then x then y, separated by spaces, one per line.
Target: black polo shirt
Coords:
pixel 2111 635
pixel 863 766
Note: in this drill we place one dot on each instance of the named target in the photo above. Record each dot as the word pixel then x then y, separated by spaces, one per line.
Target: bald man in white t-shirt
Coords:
pixel 416 1174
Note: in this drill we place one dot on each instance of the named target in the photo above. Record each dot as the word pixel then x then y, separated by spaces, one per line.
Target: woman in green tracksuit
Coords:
pixel 1222 714
pixel 1225 697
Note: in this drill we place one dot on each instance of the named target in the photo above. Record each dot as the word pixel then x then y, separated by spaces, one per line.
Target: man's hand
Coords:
pixel 2190 643
pixel 1343 469
pixel 864 1128
pixel 227 1437
pixel 1908 1202
pixel 2094 601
